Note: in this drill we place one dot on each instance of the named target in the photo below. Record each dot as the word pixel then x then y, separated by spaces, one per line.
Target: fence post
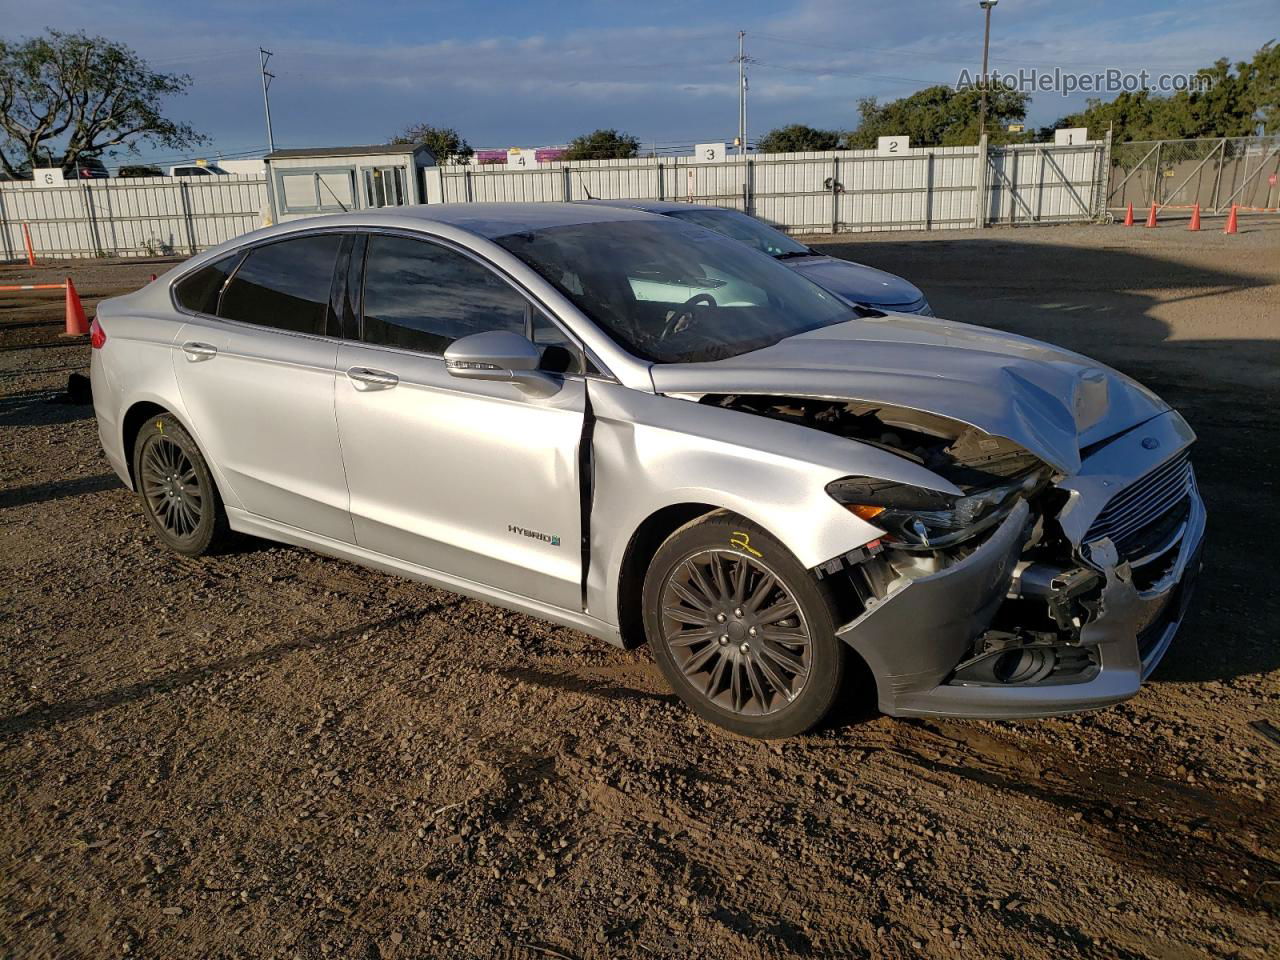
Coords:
pixel 186 216
pixel 928 190
pixel 981 202
pixel 1217 174
pixel 1155 176
pixel 835 194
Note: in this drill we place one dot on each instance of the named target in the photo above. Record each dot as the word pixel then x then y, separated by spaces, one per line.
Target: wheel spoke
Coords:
pixel 761 592
pixel 716 680
pixel 757 690
pixel 700 659
pixel 689 597
pixel 783 658
pixel 772 678
pixel 779 611
pixel 740 571
pixel 689 638
pixel 696 618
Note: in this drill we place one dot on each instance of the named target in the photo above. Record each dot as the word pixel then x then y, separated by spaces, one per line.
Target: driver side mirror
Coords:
pixel 500 355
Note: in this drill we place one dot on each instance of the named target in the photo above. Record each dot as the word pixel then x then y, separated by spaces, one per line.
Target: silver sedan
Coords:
pixel 643 430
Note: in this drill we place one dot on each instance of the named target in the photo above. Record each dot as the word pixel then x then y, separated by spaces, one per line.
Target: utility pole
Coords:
pixel 986 43
pixel 266 103
pixel 742 95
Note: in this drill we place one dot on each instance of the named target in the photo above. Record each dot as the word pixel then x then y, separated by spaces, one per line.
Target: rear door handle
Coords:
pixel 199 351
pixel 366 379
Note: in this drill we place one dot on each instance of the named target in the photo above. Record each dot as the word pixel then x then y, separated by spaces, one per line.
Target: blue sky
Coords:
pixel 530 74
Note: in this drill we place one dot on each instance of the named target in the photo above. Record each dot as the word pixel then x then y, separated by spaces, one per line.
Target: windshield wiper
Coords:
pixel 795 253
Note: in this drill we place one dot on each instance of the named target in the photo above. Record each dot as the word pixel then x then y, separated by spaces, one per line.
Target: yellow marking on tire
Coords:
pixel 742 541
pixel 160 426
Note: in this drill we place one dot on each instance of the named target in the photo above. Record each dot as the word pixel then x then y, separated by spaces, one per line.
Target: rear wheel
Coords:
pixel 176 488
pixel 741 630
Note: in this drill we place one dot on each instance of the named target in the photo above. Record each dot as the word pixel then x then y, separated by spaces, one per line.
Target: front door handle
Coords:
pixel 366 379
pixel 199 351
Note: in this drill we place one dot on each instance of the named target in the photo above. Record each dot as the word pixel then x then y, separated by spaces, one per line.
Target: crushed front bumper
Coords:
pixel 914 638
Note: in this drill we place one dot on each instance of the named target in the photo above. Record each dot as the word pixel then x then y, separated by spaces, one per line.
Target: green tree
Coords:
pixel 602 145
pixel 139 170
pixel 798 137
pixel 445 143
pixel 85 94
pixel 940 116
pixel 1231 101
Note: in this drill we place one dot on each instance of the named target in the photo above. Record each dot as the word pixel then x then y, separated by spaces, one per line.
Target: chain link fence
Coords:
pixel 1215 173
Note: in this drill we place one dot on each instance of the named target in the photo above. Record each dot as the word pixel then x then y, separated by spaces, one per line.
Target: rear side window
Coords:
pixel 199 291
pixel 284 285
pixel 421 296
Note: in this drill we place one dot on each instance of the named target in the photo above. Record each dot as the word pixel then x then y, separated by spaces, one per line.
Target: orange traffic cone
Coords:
pixel 1195 218
pixel 77 325
pixel 1151 217
pixel 1128 216
pixel 1232 225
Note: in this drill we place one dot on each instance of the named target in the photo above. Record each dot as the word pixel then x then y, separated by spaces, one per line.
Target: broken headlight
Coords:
pixel 917 519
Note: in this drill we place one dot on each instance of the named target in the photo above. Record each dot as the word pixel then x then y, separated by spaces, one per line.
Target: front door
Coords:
pixel 470 478
pixel 259 390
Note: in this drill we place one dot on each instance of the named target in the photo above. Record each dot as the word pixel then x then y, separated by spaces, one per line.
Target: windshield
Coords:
pixel 669 292
pixel 744 229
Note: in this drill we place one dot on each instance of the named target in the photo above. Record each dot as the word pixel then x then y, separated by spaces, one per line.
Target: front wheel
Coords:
pixel 741 630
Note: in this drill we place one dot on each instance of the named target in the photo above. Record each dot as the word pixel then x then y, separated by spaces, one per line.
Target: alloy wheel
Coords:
pixel 736 632
pixel 172 487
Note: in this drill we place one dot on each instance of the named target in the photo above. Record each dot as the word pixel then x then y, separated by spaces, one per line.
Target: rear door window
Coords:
pixel 284 285
pixel 422 296
pixel 200 291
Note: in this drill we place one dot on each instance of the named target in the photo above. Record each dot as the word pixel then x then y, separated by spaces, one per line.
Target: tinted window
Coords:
pixel 421 296
pixel 559 353
pixel 199 291
pixel 284 285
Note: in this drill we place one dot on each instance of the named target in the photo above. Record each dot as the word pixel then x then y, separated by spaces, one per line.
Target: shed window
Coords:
pixel 310 191
pixel 384 187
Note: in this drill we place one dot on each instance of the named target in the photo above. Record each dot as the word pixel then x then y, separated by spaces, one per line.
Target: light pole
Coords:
pixel 267 77
pixel 986 43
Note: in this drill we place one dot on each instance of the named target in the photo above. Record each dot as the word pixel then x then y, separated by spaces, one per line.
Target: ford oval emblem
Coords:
pixel 1150 443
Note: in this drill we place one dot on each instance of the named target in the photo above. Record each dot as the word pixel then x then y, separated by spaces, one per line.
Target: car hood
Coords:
pixel 1050 401
pixel 857 282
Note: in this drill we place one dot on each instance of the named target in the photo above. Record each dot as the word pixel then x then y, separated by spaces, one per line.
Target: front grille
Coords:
pixel 1147 512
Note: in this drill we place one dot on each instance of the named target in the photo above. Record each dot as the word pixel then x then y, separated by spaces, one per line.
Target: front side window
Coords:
pixel 199 291
pixel 284 285
pixel 422 296
pixel 671 292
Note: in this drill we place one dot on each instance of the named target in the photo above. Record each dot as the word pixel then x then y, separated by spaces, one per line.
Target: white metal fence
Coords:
pixel 146 216
pixel 840 191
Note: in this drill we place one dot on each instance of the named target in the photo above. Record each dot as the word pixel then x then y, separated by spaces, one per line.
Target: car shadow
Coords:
pixel 1227 389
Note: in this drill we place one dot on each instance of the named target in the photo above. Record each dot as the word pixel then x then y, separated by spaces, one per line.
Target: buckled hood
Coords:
pixel 1049 400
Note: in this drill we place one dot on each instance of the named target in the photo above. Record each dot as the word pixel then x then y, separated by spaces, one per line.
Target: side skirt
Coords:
pixel 249 523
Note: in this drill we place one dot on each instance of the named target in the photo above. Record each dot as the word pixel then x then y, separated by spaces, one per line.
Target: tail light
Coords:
pixel 97 336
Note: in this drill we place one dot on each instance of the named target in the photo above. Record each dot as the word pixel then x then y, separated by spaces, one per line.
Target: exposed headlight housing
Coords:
pixel 915 518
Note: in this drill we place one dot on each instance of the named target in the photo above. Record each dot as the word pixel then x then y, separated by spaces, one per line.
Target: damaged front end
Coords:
pixel 1032 592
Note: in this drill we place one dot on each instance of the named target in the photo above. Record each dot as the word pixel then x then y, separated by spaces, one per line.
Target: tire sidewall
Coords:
pixel 719 531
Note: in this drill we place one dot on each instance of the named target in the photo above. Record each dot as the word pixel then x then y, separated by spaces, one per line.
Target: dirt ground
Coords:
pixel 272 754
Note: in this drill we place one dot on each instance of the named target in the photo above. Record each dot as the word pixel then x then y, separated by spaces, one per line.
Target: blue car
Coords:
pixel 854 282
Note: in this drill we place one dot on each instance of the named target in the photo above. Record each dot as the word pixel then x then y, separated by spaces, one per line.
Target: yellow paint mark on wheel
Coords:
pixel 742 541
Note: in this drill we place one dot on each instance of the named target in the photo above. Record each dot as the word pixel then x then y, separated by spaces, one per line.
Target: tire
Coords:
pixel 176 489
pixel 733 649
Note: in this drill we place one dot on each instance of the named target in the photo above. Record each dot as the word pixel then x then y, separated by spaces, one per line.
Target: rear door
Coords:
pixel 255 367
pixel 470 478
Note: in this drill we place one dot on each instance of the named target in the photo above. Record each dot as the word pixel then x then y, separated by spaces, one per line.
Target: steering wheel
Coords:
pixel 682 319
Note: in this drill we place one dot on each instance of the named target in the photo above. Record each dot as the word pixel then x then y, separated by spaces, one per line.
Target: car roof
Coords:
pixel 499 219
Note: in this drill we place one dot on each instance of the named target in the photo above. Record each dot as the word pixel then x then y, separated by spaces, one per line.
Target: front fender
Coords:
pixel 650 452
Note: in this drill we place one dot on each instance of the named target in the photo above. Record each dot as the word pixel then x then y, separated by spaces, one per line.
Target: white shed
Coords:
pixel 302 183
